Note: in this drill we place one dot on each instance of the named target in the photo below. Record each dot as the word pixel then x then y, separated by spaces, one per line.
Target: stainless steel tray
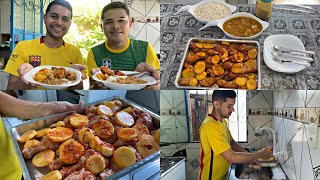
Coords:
pixel 31 172
pixel 212 41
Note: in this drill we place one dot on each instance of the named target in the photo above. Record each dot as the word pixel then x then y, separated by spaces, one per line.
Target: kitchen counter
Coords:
pixel 177 30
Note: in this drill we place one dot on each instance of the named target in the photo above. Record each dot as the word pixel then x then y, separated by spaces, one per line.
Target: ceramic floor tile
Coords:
pixel 297 98
pixel 193 146
pixel 259 101
pixel 278 99
pixel 193 174
pixel 297 144
pixel 289 169
pixel 314 101
pixel 192 154
pixel 189 168
pixel 291 128
pixel 314 152
pixel 306 166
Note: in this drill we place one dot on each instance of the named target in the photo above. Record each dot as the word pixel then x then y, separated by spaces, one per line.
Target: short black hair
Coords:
pixel 63 3
pixel 115 5
pixel 222 95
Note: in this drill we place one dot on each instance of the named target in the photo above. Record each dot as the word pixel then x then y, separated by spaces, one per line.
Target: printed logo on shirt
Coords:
pixel 106 62
pixel 14 57
pixel 35 60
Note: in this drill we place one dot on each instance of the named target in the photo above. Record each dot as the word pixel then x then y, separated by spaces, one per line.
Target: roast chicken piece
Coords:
pixel 44 144
pixel 146 120
pixel 81 175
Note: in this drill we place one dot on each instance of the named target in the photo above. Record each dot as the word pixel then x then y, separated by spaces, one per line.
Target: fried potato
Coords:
pixel 31 143
pixel 252 76
pixel 188 73
pixel 124 157
pixel 42 74
pixel 43 158
pixel 241 81
pixel 201 54
pixel 104 110
pixel 141 129
pixel 218 70
pixel 201 76
pixel 124 119
pixel 223 53
pixel 157 136
pixel 70 151
pixel 41 132
pixel 85 135
pixel 27 136
pixel 215 59
pixel 53 175
pixel 60 124
pixel 59 134
pixel 95 164
pixel 103 128
pixel 251 84
pixel 147 145
pixel 208 46
pixel 193 82
pixel 127 134
pixel 185 81
pixel 105 148
pixel 102 76
pixel 252 53
pixel 237 68
pixel 127 110
pixel 78 120
pixel 238 56
pixel 199 67
pixel 250 64
pixel 199 45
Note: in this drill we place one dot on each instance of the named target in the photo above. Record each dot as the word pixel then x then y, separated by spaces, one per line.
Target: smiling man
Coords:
pixel 47 50
pixel 119 52
pixel 217 148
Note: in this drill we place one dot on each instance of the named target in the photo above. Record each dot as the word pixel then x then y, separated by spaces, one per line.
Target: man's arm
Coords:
pixel 13 107
pixel 16 83
pixel 236 146
pixel 245 157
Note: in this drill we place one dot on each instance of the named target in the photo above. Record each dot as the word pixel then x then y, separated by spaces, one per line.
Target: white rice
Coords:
pixel 211 11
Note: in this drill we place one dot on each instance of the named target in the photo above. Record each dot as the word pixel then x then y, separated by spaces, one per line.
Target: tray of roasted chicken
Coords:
pixel 220 64
pixel 109 139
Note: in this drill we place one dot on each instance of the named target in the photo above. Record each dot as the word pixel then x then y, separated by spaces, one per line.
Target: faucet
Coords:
pixel 260 131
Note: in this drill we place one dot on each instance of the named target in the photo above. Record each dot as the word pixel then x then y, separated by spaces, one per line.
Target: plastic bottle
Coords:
pixel 264 9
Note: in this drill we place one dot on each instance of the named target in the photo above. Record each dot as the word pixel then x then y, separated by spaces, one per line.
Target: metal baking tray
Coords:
pixel 214 41
pixel 32 172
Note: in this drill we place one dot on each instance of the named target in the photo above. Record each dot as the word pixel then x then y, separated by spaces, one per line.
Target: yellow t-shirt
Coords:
pixel 215 138
pixel 37 53
pixel 151 57
pixel 10 168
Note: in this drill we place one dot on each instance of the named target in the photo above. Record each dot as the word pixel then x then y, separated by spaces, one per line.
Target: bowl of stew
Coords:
pixel 242 25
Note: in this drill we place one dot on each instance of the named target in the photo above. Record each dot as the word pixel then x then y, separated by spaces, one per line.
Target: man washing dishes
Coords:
pixel 218 150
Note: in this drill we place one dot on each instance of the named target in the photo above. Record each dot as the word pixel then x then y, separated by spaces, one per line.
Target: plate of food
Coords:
pixel 208 10
pixel 125 80
pixel 220 64
pixel 53 77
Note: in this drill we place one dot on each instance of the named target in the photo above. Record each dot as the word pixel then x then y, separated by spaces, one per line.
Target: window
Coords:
pixel 200 104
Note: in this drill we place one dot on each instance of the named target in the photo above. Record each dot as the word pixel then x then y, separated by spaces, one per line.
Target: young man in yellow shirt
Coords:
pixel 217 148
pixel 119 52
pixel 47 50
pixel 10 168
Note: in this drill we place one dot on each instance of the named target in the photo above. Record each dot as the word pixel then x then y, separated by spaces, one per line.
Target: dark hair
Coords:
pixel 115 5
pixel 222 95
pixel 63 3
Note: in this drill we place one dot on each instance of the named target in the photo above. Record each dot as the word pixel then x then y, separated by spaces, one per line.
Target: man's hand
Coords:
pixel 265 153
pixel 81 68
pixel 22 70
pixel 142 67
pixel 96 85
pixel 255 164
pixel 63 106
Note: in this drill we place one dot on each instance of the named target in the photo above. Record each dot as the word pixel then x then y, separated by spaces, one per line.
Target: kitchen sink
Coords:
pixel 172 168
pixel 242 171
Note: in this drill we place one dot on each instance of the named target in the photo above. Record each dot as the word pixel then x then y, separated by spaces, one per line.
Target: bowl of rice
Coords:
pixel 208 10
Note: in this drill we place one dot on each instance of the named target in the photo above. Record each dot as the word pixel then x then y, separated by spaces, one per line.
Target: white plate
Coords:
pixel 194 7
pixel 150 81
pixel 220 23
pixel 30 75
pixel 284 40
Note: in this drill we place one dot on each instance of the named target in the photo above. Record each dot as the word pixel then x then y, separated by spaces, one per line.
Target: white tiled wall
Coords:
pixel 147 31
pixel 301 161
